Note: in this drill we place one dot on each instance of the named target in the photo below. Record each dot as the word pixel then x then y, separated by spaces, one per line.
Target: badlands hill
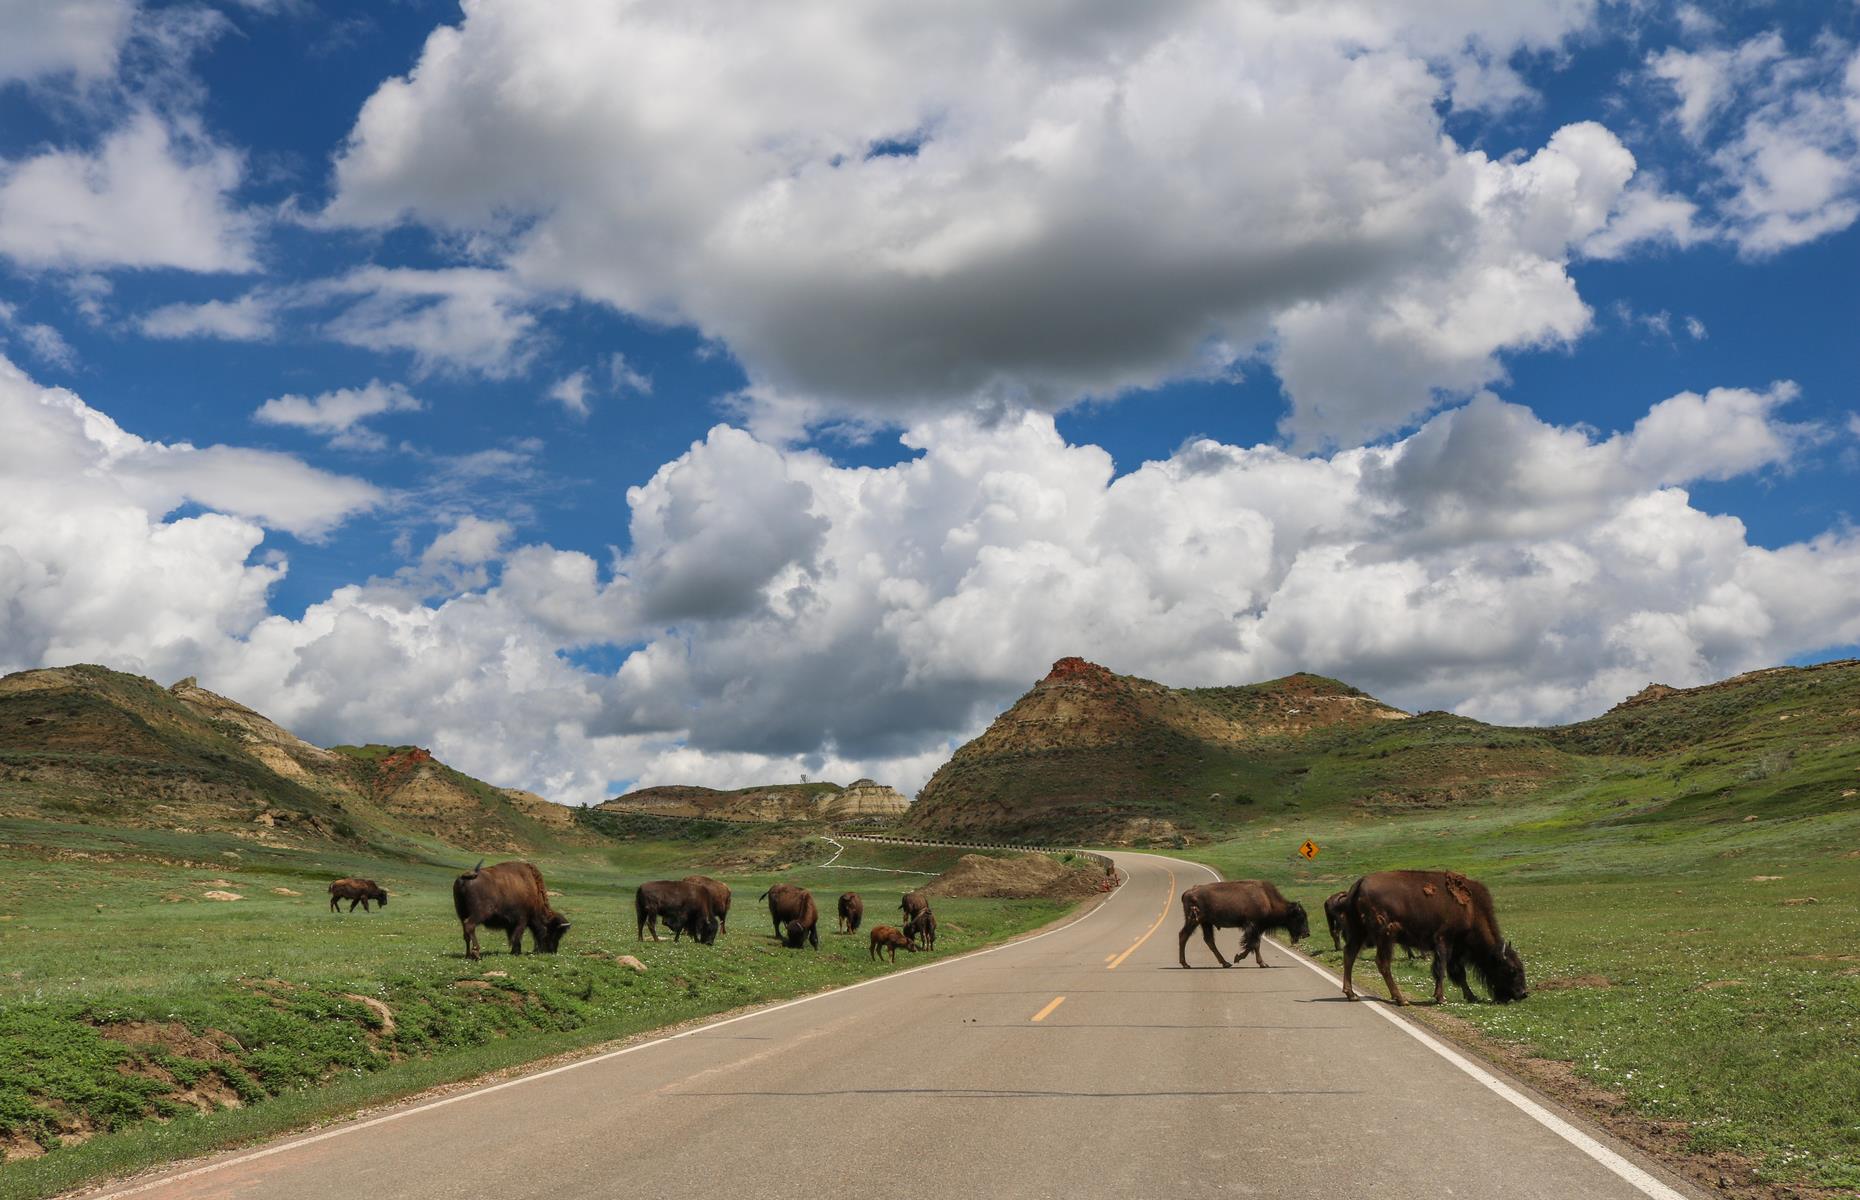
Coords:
pixel 859 800
pixel 85 744
pixel 1091 756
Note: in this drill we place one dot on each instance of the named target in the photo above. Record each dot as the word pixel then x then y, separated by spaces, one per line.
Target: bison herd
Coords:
pixel 1442 913
pixel 511 897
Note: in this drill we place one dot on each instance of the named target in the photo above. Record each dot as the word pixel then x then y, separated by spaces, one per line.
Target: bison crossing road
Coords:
pixel 1263 1068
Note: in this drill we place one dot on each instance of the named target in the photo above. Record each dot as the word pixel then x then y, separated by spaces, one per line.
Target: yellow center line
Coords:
pixel 1110 956
pixel 1160 918
pixel 1048 1010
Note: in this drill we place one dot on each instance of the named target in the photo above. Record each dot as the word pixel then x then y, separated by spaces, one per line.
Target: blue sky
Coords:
pixel 1209 342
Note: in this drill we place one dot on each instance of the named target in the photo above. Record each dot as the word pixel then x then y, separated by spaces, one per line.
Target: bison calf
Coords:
pixel 1439 911
pixel 890 937
pixel 509 896
pixel 1251 905
pixel 923 928
pixel 356 891
pixel 852 911
pixel 792 910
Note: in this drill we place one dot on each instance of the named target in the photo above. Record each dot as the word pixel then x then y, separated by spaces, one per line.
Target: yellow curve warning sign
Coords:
pixel 1309 849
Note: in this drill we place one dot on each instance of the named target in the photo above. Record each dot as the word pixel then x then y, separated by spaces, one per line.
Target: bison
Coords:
pixel 852 911
pixel 1439 911
pixel 356 891
pixel 686 907
pixel 1252 905
pixel 509 896
pixel 719 899
pixel 792 910
pixel 912 903
pixel 923 928
pixel 892 938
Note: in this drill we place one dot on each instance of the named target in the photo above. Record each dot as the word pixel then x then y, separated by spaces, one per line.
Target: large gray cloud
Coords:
pixel 888 211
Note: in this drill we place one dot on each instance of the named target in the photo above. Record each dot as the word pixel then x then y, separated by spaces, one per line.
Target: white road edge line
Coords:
pixel 399 1114
pixel 1627 1171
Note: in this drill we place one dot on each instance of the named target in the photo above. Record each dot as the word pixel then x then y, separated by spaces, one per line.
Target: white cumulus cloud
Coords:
pixel 80 37
pixel 780 614
pixel 150 195
pixel 888 211
pixel 339 414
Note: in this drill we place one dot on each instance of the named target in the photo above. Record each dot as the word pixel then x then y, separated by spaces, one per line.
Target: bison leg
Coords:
pixel 1385 959
pixel 471 938
pixel 516 939
pixel 813 936
pixel 335 904
pixel 1207 935
pixel 1456 970
pixel 1251 941
pixel 1351 947
pixel 1440 970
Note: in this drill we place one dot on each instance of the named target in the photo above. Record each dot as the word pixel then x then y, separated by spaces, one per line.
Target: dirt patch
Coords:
pixel 1764 878
pixel 627 960
pixel 223 896
pixel 1572 982
pixel 1715 984
pixel 1798 901
pixel 1724 1174
pixel 378 1007
pixel 1025 877
pixel 280 891
pixel 172 1037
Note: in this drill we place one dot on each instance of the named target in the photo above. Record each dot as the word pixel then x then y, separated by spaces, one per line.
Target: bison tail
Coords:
pixel 765 895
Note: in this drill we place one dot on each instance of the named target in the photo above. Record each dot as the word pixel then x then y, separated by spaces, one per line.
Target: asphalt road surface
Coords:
pixel 1081 1062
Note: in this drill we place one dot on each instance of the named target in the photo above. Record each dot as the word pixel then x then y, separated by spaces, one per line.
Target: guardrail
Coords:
pixel 1102 860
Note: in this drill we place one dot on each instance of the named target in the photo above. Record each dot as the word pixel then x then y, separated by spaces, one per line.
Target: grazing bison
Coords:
pixel 852 911
pixel 1333 916
pixel 509 896
pixel 911 904
pixel 356 891
pixel 1251 905
pixel 892 938
pixel 923 928
pixel 686 907
pixel 719 899
pixel 792 910
pixel 1439 911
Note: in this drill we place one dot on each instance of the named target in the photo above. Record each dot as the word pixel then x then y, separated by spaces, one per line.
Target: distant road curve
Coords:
pixel 1077 1062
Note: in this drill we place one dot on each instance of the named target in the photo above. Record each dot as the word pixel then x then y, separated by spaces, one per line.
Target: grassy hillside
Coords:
pixel 141 1020
pixel 1091 756
pixel 91 745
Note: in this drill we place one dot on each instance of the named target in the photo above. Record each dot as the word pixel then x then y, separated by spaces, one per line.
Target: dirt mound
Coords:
pixel 1025 877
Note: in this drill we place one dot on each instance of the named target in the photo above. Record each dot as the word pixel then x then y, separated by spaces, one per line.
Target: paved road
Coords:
pixel 972 1078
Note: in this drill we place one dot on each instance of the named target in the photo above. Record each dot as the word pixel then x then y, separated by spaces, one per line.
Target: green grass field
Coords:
pixel 1703 967
pixel 140 1022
